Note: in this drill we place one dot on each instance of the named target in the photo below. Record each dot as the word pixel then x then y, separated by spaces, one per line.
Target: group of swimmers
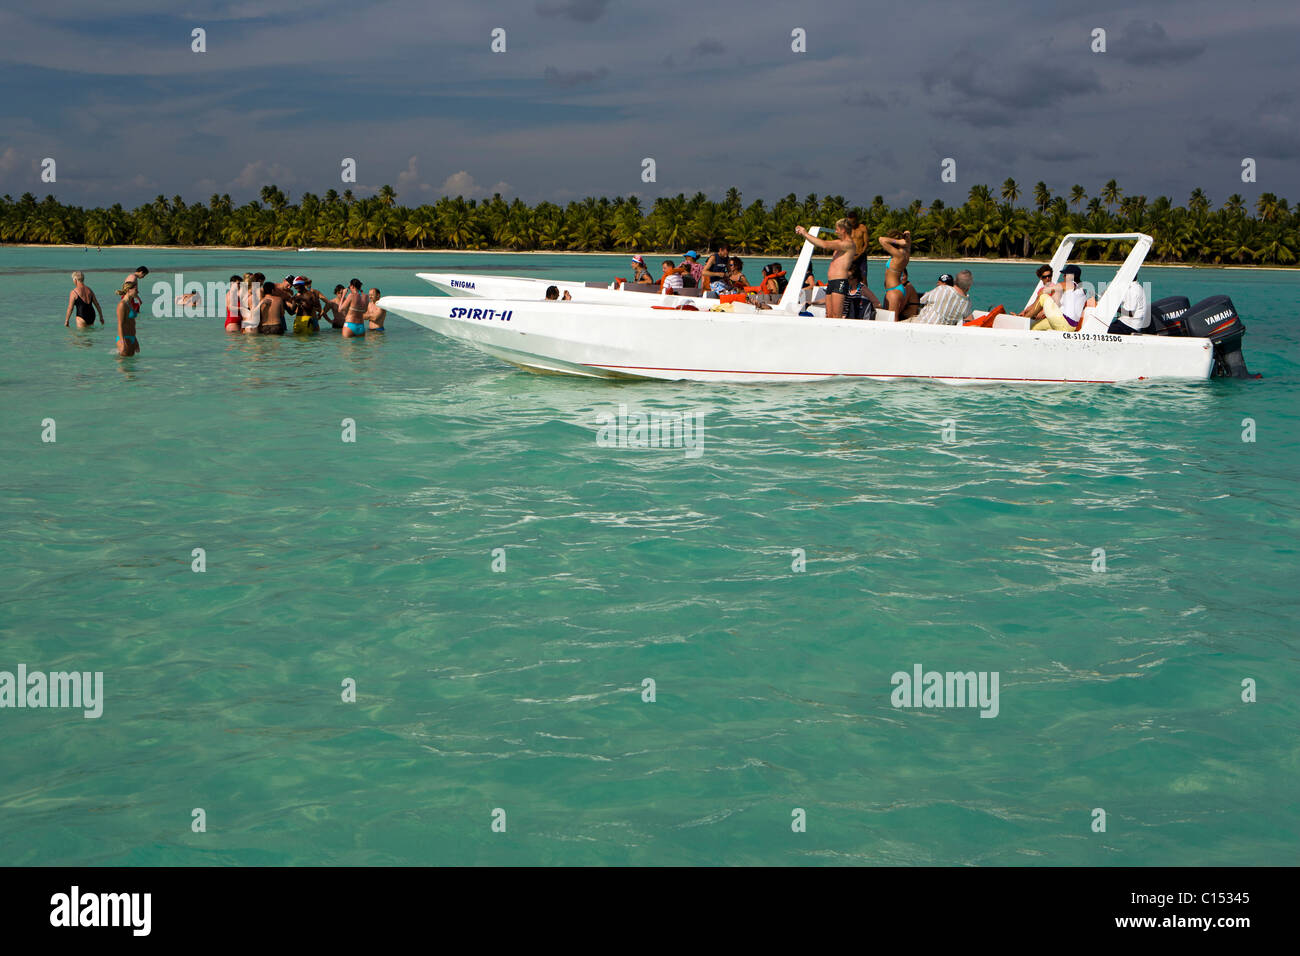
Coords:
pixel 254 306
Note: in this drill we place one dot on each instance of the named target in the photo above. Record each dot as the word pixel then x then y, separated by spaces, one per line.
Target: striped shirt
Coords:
pixel 944 305
pixel 672 281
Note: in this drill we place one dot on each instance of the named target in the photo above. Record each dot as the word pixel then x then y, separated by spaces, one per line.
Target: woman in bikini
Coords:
pixel 83 301
pixel 899 246
pixel 354 307
pixel 128 307
pixel 233 315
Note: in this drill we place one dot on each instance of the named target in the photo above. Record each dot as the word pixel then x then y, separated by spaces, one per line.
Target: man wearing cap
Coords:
pixel 948 303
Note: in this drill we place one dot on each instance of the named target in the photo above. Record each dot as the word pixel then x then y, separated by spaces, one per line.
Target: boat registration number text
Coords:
pixel 489 314
pixel 1091 336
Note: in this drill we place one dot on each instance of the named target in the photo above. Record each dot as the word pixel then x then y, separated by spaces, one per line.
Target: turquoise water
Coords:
pixel 522 689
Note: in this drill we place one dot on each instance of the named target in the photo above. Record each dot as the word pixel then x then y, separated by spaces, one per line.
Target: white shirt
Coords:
pixel 673 281
pixel 1072 303
pixel 1133 309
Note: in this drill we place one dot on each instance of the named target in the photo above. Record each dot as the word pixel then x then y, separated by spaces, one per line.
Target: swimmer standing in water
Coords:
pixel 84 301
pixel 374 314
pixel 128 307
pixel 354 307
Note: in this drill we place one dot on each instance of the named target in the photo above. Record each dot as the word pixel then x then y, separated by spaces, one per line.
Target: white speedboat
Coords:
pixel 478 285
pixel 780 345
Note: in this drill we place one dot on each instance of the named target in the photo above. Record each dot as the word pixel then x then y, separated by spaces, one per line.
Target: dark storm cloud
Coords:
pixel 1146 43
pixel 1012 83
pixel 583 11
pixel 567 80
pixel 714 93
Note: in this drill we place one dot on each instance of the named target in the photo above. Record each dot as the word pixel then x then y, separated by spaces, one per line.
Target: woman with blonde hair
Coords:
pixel 83 300
pixel 128 307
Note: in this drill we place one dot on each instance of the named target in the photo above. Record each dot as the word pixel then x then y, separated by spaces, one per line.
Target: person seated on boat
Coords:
pixel 1044 276
pixel 640 274
pixel 688 276
pixel 1074 299
pixel 714 274
pixel 899 246
pixel 948 303
pixel 1049 307
pixel 735 277
pixel 1133 315
pixel 911 301
pixel 861 302
pixel 553 293
pixel 692 261
pixel 842 253
pixel 671 281
pixel 774 279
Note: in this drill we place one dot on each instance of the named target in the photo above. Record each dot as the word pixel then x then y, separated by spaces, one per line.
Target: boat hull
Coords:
pixel 597 341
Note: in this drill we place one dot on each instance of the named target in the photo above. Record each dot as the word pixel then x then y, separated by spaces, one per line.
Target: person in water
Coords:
pixel 233 315
pixel 270 312
pixel 139 274
pixel 332 308
pixel 374 314
pixel 899 246
pixel 250 305
pixel 354 307
pixel 837 282
pixel 83 301
pixel 128 308
pixel 553 293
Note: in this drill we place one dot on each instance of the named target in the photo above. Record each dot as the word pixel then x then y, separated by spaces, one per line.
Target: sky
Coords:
pixel 586 90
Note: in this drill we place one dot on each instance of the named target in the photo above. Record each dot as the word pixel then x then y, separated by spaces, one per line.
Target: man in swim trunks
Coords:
pixel 271 310
pixel 899 247
pixel 353 307
pixel 837 282
pixel 374 314
pixel 300 307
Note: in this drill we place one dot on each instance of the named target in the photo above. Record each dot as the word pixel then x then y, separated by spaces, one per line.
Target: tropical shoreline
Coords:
pixel 997 260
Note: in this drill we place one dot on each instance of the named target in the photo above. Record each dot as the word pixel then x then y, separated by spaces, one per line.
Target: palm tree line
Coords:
pixel 985 225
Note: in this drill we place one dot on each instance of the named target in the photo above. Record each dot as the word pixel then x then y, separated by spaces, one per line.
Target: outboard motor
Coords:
pixel 1216 319
pixel 1167 315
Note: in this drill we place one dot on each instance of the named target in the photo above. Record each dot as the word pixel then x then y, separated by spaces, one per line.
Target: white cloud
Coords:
pixel 463 184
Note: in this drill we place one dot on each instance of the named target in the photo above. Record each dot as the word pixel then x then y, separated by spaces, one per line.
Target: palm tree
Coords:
pixel 1077 195
pixel 1042 196
pixel 1110 193
pixel 1010 190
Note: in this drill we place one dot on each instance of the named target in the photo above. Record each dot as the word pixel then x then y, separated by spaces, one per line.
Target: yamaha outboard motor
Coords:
pixel 1216 319
pixel 1167 315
